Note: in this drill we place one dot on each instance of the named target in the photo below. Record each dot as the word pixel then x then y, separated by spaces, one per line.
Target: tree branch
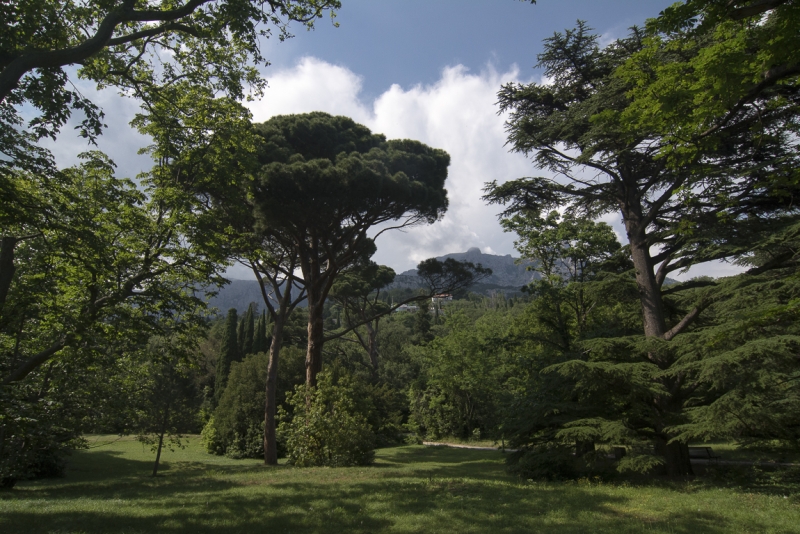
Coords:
pixel 754 8
pixel 687 319
pixel 35 361
pixel 42 59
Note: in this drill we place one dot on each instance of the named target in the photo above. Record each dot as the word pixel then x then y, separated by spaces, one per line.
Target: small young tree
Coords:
pixel 169 400
pixel 329 426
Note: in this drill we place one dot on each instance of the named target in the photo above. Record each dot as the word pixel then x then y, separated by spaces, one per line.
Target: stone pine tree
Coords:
pixel 708 205
pixel 324 183
pixel 228 353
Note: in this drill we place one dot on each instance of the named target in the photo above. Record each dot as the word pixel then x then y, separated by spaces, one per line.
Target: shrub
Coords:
pixel 236 427
pixel 210 439
pixel 33 438
pixel 327 428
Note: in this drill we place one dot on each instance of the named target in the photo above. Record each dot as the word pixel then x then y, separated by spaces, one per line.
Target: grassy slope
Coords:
pixel 409 489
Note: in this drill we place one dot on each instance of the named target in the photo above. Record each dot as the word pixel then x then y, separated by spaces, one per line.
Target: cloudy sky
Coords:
pixel 420 69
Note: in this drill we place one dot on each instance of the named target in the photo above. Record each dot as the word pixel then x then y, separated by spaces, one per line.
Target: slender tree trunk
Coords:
pixel 312 275
pixel 372 348
pixel 7 268
pixel 316 335
pixel 270 438
pixel 161 433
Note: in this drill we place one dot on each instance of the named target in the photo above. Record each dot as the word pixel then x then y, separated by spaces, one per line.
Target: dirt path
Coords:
pixel 703 461
pixel 458 446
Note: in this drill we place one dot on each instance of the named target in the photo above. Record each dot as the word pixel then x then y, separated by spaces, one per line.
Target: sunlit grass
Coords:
pixel 409 489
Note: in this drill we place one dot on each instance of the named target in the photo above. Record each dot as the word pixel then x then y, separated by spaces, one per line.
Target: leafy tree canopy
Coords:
pixel 142 48
pixel 709 68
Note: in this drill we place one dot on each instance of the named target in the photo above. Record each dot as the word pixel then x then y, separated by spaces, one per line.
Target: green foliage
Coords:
pixel 319 168
pixel 36 437
pixel 237 427
pixel 214 46
pixel 329 426
pixel 260 340
pixel 464 379
pixel 89 273
pixel 422 324
pixel 743 361
pixel 228 353
pixel 709 67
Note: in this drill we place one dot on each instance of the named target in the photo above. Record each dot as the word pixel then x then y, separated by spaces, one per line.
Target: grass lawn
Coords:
pixel 409 489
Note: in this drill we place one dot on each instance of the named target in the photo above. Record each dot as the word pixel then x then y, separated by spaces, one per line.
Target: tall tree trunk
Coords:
pixel 161 433
pixel 676 455
pixel 316 333
pixel 270 438
pixel 372 348
pixel 7 268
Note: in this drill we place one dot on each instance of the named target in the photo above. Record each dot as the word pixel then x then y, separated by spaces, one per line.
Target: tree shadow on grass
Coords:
pixel 108 474
pixel 418 490
pixel 440 505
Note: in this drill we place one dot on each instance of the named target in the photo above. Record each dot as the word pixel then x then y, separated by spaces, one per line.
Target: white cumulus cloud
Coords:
pixel 458 114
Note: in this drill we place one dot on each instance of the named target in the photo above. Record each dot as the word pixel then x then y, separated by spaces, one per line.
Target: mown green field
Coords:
pixel 409 489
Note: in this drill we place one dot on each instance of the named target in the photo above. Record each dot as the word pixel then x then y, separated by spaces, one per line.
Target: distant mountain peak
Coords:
pixel 508 273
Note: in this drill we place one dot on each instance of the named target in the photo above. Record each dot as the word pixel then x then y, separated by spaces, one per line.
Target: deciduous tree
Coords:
pixel 141 48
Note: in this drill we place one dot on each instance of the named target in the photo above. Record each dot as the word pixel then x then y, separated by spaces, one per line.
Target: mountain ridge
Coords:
pixel 508 273
pixel 507 276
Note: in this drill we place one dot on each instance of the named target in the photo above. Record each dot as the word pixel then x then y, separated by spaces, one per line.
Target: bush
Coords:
pixel 235 429
pixel 33 439
pixel 210 439
pixel 327 428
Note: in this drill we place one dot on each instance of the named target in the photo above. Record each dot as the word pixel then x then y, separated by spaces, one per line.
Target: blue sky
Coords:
pixel 409 42
pixel 420 69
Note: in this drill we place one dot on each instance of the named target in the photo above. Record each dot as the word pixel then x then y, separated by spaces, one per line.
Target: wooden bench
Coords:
pixel 703 453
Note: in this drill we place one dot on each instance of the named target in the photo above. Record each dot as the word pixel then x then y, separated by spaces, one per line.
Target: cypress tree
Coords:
pixel 229 352
pixel 240 339
pixel 422 323
pixel 260 336
pixel 247 342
